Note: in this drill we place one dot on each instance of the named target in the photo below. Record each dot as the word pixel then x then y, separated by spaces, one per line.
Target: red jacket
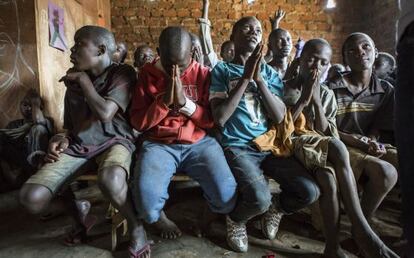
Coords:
pixel 150 115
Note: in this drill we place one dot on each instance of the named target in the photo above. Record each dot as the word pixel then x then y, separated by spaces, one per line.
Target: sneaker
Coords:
pixel 270 221
pixel 236 235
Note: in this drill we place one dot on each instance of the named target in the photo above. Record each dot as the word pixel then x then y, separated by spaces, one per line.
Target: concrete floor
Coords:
pixel 25 236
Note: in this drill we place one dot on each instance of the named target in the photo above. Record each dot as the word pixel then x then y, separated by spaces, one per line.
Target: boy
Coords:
pixel 245 98
pixel 280 43
pixel 97 134
pixel 384 67
pixel 227 51
pixel 170 107
pixel 23 143
pixel 143 55
pixel 120 53
pixel 275 23
pixel 365 108
pixel 319 149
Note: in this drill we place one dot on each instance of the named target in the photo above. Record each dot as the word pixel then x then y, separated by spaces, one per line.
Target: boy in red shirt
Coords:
pixel 170 106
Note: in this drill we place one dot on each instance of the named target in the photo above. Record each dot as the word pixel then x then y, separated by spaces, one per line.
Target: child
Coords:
pixel 143 55
pixel 97 134
pixel 23 143
pixel 365 108
pixel 227 51
pixel 280 43
pixel 318 147
pixel 245 97
pixel 335 71
pixel 170 107
pixel 120 53
pixel 384 67
pixel 275 23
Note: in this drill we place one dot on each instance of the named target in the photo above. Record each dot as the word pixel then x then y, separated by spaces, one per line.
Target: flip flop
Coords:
pixel 79 236
pixel 137 253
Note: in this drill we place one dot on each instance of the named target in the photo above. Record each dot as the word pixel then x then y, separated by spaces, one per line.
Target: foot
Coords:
pixel 236 235
pixel 270 222
pixel 372 246
pixel 139 246
pixel 79 231
pixel 334 253
pixel 168 229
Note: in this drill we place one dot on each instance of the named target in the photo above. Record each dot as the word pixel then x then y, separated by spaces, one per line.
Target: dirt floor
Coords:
pixel 23 235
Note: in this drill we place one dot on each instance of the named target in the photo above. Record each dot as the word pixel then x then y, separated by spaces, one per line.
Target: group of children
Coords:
pixel 320 139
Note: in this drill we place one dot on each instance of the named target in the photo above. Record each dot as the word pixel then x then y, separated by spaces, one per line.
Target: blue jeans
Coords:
pixel 203 161
pixel 404 129
pixel 249 166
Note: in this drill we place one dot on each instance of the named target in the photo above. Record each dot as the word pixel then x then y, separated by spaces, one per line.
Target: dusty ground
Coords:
pixel 23 235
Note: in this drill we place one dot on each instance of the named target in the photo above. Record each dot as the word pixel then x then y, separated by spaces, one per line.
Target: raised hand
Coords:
pixel 275 20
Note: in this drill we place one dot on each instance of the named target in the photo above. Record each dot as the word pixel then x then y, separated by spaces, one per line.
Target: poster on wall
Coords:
pixel 56 27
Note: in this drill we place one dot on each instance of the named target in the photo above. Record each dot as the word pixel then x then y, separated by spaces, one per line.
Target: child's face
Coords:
pixel 382 67
pixel 281 44
pixel 143 56
pixel 28 104
pixel 85 54
pixel 248 35
pixel 183 61
pixel 360 53
pixel 227 52
pixel 120 52
pixel 317 57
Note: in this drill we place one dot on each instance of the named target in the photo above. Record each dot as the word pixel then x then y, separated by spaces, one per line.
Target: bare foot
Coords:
pixel 372 246
pixel 334 253
pixel 168 229
pixel 139 246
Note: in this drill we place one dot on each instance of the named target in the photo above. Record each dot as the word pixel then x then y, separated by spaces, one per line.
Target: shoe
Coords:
pixel 236 235
pixel 270 220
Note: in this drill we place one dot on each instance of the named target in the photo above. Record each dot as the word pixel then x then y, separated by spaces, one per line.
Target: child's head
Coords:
pixel 197 51
pixel 280 43
pixel 359 52
pixel 246 34
pixel 120 53
pixel 335 71
pixel 227 51
pixel 384 65
pixel 30 100
pixel 175 48
pixel 93 45
pixel 142 55
pixel 316 54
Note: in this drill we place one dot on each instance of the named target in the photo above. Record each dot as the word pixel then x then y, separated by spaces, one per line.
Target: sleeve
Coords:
pixel 205 32
pixel 202 115
pixel 122 82
pixel 274 82
pixel 331 107
pixel 218 85
pixel 384 118
pixel 146 110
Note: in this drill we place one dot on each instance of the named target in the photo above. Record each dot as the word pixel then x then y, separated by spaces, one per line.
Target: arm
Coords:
pixel 146 111
pixel 205 35
pixel 275 21
pixel 274 105
pixel 224 107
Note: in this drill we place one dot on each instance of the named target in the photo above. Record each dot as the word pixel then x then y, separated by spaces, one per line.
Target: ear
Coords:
pixel 376 53
pixel 102 49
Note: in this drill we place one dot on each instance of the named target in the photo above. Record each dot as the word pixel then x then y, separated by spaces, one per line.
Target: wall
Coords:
pixel 18 56
pixel 141 21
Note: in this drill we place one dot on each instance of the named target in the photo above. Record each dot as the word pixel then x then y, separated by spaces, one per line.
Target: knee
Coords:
pixel 387 175
pixel 262 200
pixel 34 200
pixel 112 179
pixel 225 200
pixel 307 192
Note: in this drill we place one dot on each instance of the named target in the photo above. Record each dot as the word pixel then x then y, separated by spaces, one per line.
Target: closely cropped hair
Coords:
pixel 100 36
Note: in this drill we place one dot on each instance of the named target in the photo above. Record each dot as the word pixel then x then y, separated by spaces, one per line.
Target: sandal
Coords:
pixel 137 253
pixel 79 236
